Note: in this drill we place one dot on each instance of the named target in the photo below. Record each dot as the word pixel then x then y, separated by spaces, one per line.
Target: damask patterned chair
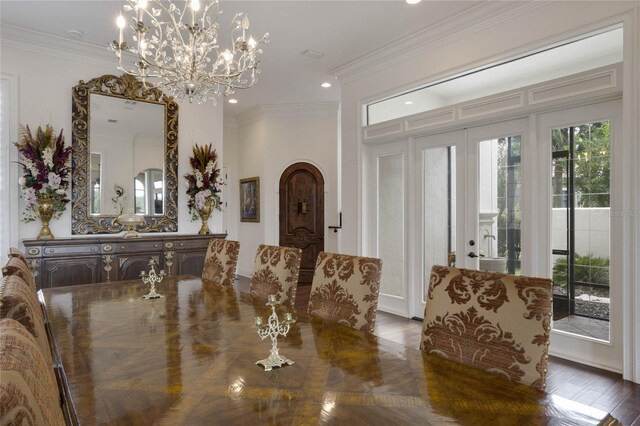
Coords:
pixel 345 289
pixel 15 266
pixel 28 390
pixel 14 252
pixel 493 322
pixel 18 302
pixel 275 271
pixel 221 261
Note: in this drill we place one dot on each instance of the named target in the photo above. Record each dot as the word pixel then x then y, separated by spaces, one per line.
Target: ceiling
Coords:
pixel 342 30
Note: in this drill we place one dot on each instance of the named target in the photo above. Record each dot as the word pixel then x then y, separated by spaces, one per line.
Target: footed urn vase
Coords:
pixel 204 214
pixel 44 211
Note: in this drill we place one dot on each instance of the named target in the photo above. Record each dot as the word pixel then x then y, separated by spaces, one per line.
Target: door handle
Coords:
pixel 472 254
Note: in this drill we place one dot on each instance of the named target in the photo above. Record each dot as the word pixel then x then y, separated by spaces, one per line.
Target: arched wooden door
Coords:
pixel 302 214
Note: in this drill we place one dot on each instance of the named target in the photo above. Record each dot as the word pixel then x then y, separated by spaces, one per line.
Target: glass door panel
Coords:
pixel 391 222
pixel 499 211
pixel 581 236
pixel 438 187
pixel 580 228
pixel 388 218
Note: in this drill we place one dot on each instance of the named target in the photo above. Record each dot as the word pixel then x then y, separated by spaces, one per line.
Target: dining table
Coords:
pixel 189 358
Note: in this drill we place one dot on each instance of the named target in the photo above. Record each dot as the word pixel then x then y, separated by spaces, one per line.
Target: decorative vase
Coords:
pixel 44 211
pixel 204 214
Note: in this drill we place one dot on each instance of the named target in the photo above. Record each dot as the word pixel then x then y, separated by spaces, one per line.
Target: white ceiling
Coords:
pixel 342 30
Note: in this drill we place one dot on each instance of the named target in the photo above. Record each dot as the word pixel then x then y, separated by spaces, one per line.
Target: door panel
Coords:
pixel 302 214
pixel 436 180
pixel 581 246
pixel 388 170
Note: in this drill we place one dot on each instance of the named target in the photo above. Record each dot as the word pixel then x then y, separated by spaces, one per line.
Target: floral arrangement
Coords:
pixel 46 170
pixel 204 183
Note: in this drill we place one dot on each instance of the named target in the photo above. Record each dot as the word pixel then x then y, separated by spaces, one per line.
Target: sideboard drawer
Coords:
pixel 138 246
pixel 187 244
pixel 64 250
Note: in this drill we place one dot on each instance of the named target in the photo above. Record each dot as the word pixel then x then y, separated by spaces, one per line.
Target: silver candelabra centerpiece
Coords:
pixel 273 328
pixel 152 278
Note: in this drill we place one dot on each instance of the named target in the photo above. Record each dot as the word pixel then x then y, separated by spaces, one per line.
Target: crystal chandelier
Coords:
pixel 179 46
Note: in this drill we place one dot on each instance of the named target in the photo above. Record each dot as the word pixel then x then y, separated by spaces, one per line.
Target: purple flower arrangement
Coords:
pixel 205 182
pixel 46 172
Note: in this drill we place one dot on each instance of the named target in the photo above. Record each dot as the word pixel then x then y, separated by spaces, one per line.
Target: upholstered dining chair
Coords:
pixel 345 290
pixel 14 252
pixel 28 389
pixel 18 302
pixel 490 321
pixel 275 271
pixel 15 266
pixel 221 261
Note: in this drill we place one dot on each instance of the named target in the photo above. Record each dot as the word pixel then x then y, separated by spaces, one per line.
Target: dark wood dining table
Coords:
pixel 189 358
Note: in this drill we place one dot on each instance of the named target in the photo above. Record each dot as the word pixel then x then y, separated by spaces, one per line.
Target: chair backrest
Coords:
pixel 275 271
pixel 221 261
pixel 493 322
pixel 18 302
pixel 28 387
pixel 14 252
pixel 345 289
pixel 15 266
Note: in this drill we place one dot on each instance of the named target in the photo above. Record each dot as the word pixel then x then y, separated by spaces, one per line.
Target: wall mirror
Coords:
pixel 125 155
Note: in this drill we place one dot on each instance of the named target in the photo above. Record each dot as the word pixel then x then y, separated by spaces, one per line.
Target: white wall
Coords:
pixel 251 149
pixel 45 79
pixel 230 190
pixel 269 139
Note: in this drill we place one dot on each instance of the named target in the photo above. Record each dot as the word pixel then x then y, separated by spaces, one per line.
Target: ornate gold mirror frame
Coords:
pixel 126 87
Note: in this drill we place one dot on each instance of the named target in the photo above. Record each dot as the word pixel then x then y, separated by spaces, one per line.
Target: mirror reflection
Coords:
pixel 127 156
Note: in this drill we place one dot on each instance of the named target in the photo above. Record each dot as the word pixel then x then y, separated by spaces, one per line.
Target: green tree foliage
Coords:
pixel 592 143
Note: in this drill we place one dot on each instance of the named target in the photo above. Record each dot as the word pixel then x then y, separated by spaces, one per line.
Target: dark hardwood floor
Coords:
pixel 591 386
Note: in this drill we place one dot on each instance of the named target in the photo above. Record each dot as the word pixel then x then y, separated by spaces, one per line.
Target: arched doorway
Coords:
pixel 302 214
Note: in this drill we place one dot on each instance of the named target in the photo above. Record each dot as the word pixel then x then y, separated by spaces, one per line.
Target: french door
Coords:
pixel 583 218
pixel 508 197
pixel 469 202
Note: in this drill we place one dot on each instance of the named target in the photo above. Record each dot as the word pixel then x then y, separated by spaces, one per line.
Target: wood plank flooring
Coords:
pixel 591 386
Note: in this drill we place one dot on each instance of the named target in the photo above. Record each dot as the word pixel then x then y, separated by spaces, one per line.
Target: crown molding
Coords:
pixel 273 111
pixel 60 47
pixel 468 22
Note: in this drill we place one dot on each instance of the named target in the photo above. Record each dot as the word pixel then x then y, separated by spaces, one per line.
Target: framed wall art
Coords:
pixel 250 199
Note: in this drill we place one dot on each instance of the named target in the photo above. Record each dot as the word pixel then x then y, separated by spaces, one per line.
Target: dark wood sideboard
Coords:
pixel 74 261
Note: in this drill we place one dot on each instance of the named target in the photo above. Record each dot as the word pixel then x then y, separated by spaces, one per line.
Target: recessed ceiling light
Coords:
pixel 326 84
pixel 233 101
pixel 413 1
pixel 408 103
